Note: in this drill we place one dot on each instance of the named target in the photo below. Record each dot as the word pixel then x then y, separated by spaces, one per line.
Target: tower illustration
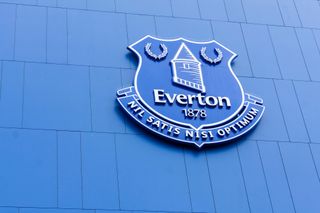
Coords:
pixel 187 69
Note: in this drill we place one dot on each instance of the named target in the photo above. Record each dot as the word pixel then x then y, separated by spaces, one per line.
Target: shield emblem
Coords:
pixel 184 70
pixel 187 91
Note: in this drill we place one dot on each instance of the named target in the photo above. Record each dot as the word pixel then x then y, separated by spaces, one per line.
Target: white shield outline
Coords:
pixel 234 55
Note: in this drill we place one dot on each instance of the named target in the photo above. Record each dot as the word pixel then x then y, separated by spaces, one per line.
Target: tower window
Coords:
pixel 186 66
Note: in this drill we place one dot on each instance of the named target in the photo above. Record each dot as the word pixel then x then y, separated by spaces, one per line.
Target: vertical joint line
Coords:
pixel 280 13
pixel 122 86
pixel 155 25
pixel 47 20
pixel 1 79
pixel 314 162
pixel 243 179
pixel 90 96
pixel 264 175
pixel 67 29
pixel 117 168
pixel 81 169
pixel 300 47
pixel 225 9
pixel 274 51
pixel 244 12
pixel 15 32
pixel 188 183
pixel 115 5
pixel 286 175
pixel 200 15
pixel 57 169
pixel 171 6
pixel 23 93
pixel 127 29
pixel 315 40
pixel 300 108
pixel 211 186
pixel 247 51
pixel 212 29
pixel 295 6
pixel 282 114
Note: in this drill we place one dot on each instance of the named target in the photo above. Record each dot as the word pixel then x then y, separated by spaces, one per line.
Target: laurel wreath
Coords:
pixel 217 51
pixel 163 54
pixel 203 53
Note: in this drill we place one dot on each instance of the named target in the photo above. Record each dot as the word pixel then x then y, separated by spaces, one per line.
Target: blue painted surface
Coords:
pixel 33 210
pixel 315 148
pixel 9 210
pixel 199 180
pixel 224 167
pixel 262 12
pixel 86 39
pixel 56 97
pixel 105 112
pixel 101 5
pixel 235 10
pixel 138 26
pixel 295 124
pixel 257 191
pixel 7 25
pixel 261 51
pixel 99 171
pixel 289 13
pixel 181 9
pixel 72 3
pixel 29 158
pixel 162 8
pixel 57 39
pixel 308 12
pixel 272 126
pixel 307 96
pixel 167 28
pixel 30 33
pixel 230 34
pixel 65 147
pixel 213 9
pixel 310 52
pixel 302 176
pixel 148 171
pixel 69 170
pixel 47 2
pixel 11 94
pixel 288 52
pixel 276 177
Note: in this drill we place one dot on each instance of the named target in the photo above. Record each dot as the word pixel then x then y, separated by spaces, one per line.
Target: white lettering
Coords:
pixel 189 133
pixel 150 119
pixel 132 104
pixel 171 99
pixel 182 99
pixel 161 97
pixel 157 95
pixel 221 101
pixel 221 132
pixel 212 101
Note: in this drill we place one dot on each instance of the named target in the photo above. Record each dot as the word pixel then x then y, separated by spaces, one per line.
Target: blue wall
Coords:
pixel 66 146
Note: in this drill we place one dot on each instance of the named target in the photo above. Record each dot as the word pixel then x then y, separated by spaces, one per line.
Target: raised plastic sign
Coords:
pixel 186 91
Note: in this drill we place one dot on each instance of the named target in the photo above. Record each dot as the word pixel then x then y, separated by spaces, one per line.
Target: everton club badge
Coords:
pixel 186 91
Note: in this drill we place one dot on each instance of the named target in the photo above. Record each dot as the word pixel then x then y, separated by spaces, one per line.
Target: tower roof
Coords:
pixel 184 53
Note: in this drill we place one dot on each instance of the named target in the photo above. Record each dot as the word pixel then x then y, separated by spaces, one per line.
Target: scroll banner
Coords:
pixel 247 118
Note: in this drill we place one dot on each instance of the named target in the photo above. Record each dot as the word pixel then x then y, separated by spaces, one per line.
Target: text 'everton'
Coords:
pixel 161 97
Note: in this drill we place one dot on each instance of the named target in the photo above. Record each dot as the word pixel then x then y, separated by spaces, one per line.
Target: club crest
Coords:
pixel 186 91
